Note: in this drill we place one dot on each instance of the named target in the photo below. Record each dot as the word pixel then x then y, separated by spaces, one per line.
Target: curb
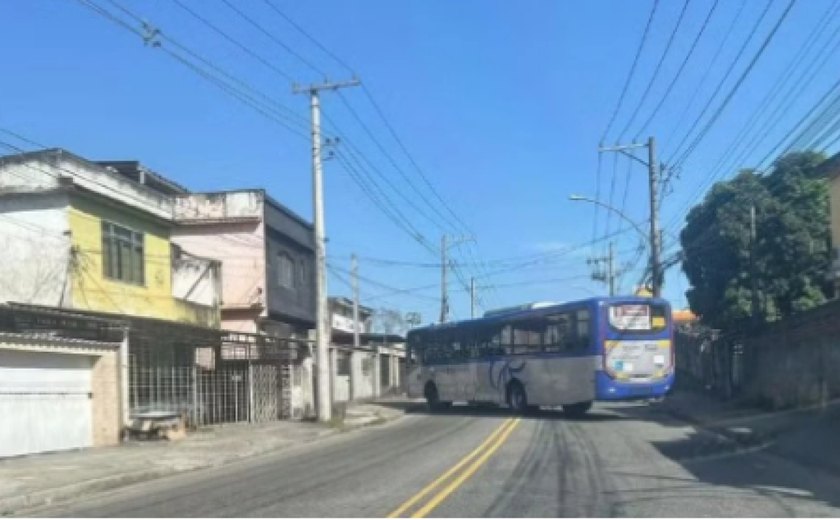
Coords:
pixel 41 498
pixel 746 438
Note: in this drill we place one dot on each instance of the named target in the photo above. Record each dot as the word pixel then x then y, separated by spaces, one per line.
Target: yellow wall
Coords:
pixel 91 290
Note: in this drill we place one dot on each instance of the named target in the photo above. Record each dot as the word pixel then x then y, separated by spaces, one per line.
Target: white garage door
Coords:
pixel 45 402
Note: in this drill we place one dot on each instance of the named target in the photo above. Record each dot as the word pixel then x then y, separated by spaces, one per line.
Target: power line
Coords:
pixel 310 37
pixel 682 66
pixel 272 37
pixel 631 73
pixel 729 32
pixel 721 83
pixel 235 42
pixel 655 71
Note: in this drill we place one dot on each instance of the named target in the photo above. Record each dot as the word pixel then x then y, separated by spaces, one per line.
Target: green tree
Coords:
pixel 791 252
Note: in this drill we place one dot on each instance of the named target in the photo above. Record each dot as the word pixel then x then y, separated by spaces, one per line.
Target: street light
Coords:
pixel 639 230
pixel 581 198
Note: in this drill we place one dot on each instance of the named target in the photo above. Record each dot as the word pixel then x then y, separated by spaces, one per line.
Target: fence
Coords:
pixel 790 363
pixel 246 393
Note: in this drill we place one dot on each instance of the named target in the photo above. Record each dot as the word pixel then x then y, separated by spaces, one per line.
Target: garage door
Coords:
pixel 45 402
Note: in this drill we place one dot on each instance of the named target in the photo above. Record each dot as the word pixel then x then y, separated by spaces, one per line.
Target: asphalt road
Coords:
pixel 622 460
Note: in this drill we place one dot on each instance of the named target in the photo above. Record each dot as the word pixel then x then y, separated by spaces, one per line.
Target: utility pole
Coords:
pixel 654 238
pixel 444 266
pixel 322 328
pixel 444 297
pixel 472 297
pixel 753 278
pixel 354 271
pixel 608 275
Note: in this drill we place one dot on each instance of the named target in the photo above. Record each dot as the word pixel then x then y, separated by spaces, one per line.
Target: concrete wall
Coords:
pixel 44 171
pixel 239 248
pixel 92 290
pixel 196 280
pixel 298 301
pixel 34 238
pixel 795 362
pixel 219 206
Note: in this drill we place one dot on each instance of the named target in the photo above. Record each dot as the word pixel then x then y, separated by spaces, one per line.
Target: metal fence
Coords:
pixel 244 393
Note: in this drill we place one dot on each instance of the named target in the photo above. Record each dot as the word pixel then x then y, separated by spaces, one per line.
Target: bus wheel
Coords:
pixel 517 399
pixel 577 409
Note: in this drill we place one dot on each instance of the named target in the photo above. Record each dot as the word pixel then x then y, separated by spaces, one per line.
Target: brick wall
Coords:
pixel 106 399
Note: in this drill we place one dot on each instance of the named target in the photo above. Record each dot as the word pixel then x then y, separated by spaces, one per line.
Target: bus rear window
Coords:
pixel 633 317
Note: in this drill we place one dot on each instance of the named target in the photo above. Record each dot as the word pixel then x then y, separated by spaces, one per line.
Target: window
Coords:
pixel 285 271
pixel 122 254
pixel 528 336
pixel 567 332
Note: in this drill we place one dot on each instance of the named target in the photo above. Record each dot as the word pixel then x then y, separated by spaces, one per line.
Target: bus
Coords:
pixel 547 355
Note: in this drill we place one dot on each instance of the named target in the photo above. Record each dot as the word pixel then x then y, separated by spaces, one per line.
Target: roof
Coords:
pixel 268 198
pixel 545 310
pixel 135 171
pixel 52 338
pixel 347 302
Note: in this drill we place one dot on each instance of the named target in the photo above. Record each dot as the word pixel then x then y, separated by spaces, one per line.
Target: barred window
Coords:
pixel 122 254
pixel 286 270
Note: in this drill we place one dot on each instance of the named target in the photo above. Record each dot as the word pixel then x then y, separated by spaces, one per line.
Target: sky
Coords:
pixel 501 106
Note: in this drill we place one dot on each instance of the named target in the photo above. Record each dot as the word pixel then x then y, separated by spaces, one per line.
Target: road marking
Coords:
pixel 463 477
pixel 463 462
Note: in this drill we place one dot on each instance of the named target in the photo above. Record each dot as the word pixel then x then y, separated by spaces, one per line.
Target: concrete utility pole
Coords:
pixel 444 265
pixel 654 238
pixel 322 328
pixel 444 297
pixel 354 271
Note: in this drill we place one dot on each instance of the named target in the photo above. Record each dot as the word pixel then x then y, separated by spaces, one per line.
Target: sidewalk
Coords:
pixel 807 436
pixel 37 480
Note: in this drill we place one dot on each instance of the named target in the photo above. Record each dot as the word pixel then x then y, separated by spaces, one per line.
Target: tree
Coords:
pixel 791 253
pixel 388 321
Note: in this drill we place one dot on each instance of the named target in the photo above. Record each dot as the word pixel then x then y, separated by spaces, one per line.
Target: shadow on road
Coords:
pixel 755 463
pixel 412 407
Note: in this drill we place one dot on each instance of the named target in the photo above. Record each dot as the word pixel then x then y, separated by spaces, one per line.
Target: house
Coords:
pixel 341 319
pixel 369 370
pixel 91 236
pixel 267 254
pixel 59 389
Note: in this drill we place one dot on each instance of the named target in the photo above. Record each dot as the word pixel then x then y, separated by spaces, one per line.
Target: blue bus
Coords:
pixel 569 355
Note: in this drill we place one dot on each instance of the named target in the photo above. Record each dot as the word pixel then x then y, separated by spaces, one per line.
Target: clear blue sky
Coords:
pixel 501 103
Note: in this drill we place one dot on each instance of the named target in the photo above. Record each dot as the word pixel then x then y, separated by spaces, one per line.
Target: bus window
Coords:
pixel 528 336
pixel 583 328
pixel 559 332
pixel 507 339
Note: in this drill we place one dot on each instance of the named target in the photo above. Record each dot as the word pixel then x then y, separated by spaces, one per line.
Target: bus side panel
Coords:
pixel 548 380
pixel 416 381
pixel 555 381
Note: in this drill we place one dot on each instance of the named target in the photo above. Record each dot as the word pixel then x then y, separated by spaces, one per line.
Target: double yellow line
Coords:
pixel 473 461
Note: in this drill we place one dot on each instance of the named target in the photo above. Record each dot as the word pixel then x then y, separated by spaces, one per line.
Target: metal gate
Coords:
pixel 266 393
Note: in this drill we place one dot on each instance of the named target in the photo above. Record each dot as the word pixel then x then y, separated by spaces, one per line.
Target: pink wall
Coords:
pixel 241 249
